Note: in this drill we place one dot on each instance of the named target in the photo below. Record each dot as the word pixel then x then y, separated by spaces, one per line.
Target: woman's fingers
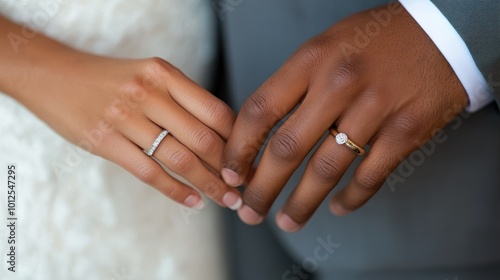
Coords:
pixel 182 161
pixel 197 137
pixel 204 106
pixel 129 156
pixel 196 100
pixel 195 121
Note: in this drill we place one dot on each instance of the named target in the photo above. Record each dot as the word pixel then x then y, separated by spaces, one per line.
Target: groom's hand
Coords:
pixel 376 77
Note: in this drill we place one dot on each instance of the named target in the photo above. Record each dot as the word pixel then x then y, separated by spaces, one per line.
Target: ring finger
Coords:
pixel 182 161
pixel 327 166
pixel 200 139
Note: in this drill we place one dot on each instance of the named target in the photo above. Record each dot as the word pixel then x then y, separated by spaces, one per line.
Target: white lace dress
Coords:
pixel 94 220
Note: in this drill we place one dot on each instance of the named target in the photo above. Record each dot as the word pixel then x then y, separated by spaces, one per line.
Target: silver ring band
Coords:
pixel 156 143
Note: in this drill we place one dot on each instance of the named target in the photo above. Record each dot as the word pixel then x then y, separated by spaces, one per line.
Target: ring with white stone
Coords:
pixel 341 139
pixel 156 143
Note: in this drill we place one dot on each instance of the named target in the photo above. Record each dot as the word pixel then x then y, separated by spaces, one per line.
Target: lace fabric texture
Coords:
pixel 80 216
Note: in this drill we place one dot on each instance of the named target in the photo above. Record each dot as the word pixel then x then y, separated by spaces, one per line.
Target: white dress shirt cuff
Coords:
pixel 454 49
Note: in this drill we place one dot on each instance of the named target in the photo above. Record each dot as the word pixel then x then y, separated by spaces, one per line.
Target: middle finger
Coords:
pixel 327 166
pixel 288 148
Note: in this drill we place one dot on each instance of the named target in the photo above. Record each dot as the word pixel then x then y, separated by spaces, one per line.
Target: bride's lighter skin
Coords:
pixel 124 105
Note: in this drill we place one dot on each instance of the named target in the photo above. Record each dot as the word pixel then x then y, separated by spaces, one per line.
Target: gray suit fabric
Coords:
pixel 441 222
pixel 478 23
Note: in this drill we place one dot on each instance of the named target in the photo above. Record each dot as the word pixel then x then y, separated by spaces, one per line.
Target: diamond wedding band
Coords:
pixel 156 143
pixel 341 139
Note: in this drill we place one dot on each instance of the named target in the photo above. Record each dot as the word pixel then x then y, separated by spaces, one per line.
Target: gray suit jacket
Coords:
pixel 478 23
pixel 441 222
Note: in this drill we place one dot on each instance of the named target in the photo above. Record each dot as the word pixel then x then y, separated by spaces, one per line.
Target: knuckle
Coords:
pixel 346 73
pixel 369 180
pixel 156 67
pixel 180 161
pixel 135 95
pixel 345 78
pixel 117 111
pixel 407 127
pixel 239 157
pixel 155 64
pixel 314 50
pixel 257 200
pixel 285 145
pixel 220 113
pixel 256 108
pixel 206 141
pixel 147 173
pixel 248 153
pixel 212 190
pixel 132 94
pixel 299 211
pixel 326 168
pixel 171 192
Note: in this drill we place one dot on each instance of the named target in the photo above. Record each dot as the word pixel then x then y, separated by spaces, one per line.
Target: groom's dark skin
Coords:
pixel 387 87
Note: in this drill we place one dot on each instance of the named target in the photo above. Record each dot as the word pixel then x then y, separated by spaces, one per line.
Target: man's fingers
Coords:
pixel 270 103
pixel 383 158
pixel 327 166
pixel 367 180
pixel 260 113
pixel 324 170
pixel 290 145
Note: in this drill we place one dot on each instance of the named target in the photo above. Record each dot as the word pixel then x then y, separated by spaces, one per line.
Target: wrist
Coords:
pixel 26 66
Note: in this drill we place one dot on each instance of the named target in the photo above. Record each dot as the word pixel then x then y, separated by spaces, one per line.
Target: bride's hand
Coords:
pixel 116 108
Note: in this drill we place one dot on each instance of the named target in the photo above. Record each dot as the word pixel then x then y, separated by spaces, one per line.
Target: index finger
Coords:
pixel 259 114
pixel 193 98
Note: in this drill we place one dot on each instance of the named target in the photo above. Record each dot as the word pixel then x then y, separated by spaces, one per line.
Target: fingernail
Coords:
pixel 286 223
pixel 194 201
pixel 249 216
pixel 230 177
pixel 232 200
pixel 338 210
